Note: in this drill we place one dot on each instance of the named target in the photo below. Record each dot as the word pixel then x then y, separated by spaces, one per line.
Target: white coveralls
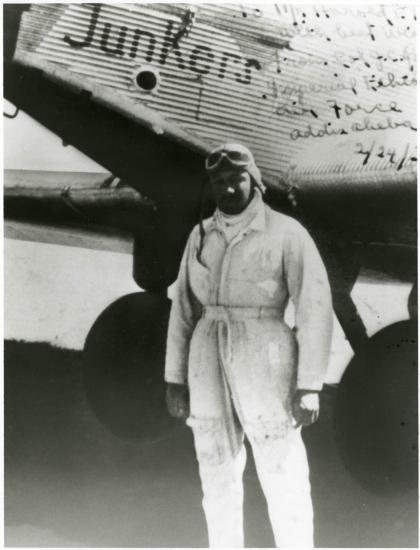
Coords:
pixel 227 339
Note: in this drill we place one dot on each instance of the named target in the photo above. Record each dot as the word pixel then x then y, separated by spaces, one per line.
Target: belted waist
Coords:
pixel 237 313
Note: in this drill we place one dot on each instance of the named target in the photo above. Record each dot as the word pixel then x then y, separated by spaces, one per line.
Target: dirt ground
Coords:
pixel 71 483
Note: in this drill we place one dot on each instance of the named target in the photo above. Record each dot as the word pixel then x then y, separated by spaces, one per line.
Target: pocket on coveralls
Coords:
pixel 208 440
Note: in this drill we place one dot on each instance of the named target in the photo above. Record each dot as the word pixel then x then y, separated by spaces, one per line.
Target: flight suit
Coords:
pixel 228 341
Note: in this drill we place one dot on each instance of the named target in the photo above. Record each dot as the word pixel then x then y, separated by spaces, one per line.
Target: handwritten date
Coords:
pixel 397 160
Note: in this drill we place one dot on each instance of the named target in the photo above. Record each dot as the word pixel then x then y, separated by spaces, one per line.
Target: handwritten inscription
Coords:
pixel 389 80
pixel 326 130
pixel 397 160
pixel 396 21
pixel 362 126
pixel 326 90
pixel 363 58
pixel 276 87
pixel 376 59
pixel 349 108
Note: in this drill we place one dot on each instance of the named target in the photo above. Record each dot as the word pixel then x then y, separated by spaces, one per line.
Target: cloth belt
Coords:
pixel 228 313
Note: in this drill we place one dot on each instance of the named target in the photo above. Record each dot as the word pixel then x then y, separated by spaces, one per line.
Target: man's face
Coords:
pixel 231 190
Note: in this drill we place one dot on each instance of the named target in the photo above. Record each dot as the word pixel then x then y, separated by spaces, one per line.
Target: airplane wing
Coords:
pixel 85 210
pixel 87 237
pixel 271 77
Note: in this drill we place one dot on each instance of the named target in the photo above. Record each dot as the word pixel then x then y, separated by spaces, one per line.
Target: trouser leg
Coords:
pixel 218 437
pixel 223 501
pixel 285 482
pixel 221 456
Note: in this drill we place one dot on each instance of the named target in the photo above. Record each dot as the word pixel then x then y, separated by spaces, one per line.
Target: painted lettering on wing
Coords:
pixel 122 41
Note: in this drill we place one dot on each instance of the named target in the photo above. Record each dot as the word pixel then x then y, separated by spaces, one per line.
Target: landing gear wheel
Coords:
pixel 376 411
pixel 123 366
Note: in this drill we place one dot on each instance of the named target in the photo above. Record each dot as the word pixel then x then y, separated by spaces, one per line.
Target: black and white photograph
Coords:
pixel 210 275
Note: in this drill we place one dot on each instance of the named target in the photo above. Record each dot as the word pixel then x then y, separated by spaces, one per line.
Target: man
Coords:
pixel 233 366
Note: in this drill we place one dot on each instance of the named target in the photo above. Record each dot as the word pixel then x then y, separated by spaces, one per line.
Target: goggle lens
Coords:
pixel 213 159
pixel 237 158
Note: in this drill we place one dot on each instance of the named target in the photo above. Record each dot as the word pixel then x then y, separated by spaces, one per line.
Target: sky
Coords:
pixel 30 146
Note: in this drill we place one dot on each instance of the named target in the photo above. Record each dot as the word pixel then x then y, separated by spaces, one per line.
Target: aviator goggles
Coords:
pixel 235 157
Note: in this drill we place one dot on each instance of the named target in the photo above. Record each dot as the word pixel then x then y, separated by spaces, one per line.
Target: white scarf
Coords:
pixel 232 224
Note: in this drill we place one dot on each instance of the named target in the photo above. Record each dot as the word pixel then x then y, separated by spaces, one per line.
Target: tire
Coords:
pixel 376 421
pixel 124 357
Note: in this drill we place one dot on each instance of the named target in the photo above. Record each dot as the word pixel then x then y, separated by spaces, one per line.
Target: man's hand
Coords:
pixel 178 400
pixel 305 407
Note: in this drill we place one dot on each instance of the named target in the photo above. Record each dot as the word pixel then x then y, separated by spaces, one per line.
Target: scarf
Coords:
pixel 232 224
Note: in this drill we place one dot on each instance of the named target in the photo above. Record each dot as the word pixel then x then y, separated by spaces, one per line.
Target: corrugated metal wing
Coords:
pixel 311 90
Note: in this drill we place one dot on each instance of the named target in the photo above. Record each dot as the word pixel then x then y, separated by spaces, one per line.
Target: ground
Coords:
pixel 71 483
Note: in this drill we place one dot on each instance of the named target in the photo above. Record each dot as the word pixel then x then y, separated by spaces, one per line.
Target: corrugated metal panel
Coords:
pixel 298 85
